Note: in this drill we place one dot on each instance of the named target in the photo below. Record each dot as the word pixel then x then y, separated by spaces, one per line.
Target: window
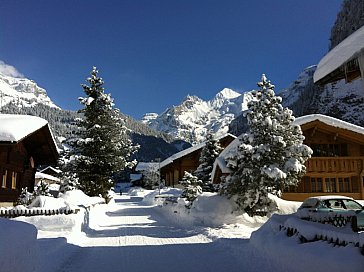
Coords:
pixel 329 150
pixel 344 185
pixel 13 180
pixel 330 184
pixel 4 178
pixel 316 184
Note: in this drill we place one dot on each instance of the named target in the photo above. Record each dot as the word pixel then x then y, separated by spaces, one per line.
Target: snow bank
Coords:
pixel 18 247
pixel 209 209
pixel 74 199
pixel 273 243
pixel 79 198
pixel 56 223
pixel 49 203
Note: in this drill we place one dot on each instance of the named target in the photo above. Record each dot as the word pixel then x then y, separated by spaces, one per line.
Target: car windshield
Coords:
pixel 351 204
pixel 309 203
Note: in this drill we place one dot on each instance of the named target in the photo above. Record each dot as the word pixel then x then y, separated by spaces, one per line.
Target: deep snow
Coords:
pixel 139 232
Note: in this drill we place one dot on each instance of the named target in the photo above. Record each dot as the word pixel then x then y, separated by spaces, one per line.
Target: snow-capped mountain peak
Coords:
pixel 195 117
pixel 227 94
pixel 22 92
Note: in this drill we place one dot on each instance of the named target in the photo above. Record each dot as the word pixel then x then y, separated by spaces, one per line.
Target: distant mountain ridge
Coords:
pixel 24 96
pixel 195 117
pixel 22 92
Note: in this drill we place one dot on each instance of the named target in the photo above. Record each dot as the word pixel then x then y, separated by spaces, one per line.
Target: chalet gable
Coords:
pixel 318 127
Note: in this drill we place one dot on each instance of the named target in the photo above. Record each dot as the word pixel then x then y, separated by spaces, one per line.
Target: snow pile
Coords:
pixel 74 199
pixel 56 223
pixel 18 246
pixel 274 243
pixel 209 209
pixel 138 191
pixel 79 198
pixel 48 203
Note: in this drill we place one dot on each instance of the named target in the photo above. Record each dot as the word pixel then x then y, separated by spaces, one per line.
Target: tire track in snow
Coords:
pixel 132 237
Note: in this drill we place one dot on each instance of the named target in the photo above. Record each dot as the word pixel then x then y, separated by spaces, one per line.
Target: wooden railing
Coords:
pixel 335 164
pixel 33 212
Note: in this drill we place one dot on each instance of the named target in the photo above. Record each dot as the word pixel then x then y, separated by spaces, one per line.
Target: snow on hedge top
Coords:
pixel 331 121
pixel 347 50
pixel 14 128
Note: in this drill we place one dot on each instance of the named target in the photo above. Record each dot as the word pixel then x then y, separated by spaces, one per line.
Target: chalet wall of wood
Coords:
pixel 173 171
pixel 19 160
pixel 336 166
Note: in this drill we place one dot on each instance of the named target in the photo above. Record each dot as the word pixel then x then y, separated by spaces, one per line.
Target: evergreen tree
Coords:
pixel 271 154
pixel 209 153
pixel 192 188
pixel 102 147
pixel 42 189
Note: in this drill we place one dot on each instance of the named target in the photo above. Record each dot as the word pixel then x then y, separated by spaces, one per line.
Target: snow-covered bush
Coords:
pixel 192 188
pixel 271 155
pixel 25 197
pixel 42 189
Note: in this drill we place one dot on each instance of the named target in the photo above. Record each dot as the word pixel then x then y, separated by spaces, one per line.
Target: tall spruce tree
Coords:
pixel 209 153
pixel 103 146
pixel 271 154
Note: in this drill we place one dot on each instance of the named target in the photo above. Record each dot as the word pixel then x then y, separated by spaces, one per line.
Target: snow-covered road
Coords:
pixel 133 237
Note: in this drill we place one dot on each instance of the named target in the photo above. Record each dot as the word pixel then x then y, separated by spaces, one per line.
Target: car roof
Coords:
pixel 329 197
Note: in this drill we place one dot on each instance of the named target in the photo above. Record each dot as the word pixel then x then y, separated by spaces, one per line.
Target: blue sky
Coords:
pixel 151 54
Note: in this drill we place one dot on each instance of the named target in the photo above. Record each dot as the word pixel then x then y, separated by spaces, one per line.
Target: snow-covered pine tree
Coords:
pixel 209 153
pixel 192 188
pixel 42 189
pixel 271 154
pixel 103 146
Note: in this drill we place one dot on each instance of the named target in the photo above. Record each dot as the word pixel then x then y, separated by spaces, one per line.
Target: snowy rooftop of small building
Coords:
pixel 146 166
pixel 51 168
pixel 39 175
pixel 347 50
pixel 188 151
pixel 14 128
pixel 331 121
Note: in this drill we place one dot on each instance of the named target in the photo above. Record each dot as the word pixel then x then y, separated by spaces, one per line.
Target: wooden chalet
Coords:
pixel 336 166
pixel 25 142
pixel 344 61
pixel 172 169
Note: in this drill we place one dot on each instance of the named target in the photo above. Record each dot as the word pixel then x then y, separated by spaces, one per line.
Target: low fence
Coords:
pixel 11 213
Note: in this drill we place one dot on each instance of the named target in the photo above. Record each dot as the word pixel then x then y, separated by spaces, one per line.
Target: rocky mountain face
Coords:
pixel 341 100
pixel 194 117
pixel 22 92
pixel 348 20
pixel 24 96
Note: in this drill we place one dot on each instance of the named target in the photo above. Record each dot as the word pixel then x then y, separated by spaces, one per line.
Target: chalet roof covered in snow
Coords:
pixel 342 61
pixel 331 121
pixel 33 132
pixel 14 128
pixel 189 151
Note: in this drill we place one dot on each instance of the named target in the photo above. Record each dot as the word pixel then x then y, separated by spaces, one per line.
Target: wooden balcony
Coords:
pixel 335 165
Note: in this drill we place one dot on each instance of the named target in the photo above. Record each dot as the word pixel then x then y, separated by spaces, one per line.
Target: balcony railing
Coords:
pixel 335 164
